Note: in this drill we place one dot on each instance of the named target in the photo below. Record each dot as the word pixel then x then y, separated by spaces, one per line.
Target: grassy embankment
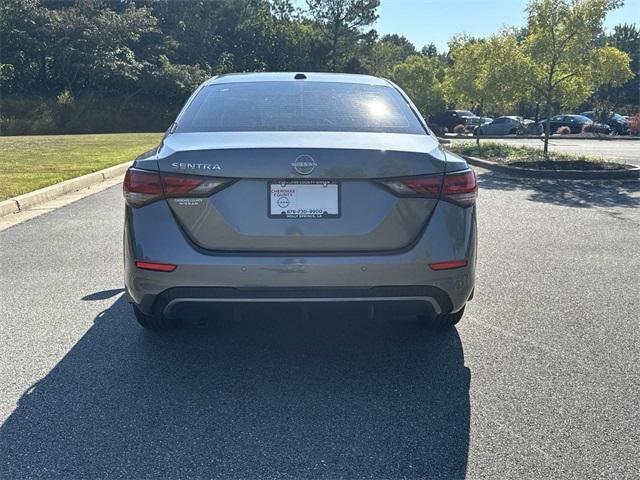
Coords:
pixel 31 162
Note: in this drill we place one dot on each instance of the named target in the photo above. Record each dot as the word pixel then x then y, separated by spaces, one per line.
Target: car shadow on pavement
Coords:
pixel 571 193
pixel 270 393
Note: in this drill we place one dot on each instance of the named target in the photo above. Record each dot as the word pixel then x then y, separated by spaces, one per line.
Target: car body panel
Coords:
pixel 271 154
pixel 224 223
pixel 290 77
pixel 450 234
pixel 236 218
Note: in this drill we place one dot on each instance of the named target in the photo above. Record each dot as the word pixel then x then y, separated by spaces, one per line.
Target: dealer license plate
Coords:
pixel 304 199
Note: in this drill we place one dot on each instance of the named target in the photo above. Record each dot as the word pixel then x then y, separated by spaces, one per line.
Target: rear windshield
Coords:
pixel 299 106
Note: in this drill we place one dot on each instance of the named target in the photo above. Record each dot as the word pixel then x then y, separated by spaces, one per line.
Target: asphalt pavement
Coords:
pixel 615 150
pixel 540 379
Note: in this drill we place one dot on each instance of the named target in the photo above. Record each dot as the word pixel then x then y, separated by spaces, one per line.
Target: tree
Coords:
pixel 97 47
pixel 25 35
pixel 487 72
pixel 418 77
pixel 625 38
pixel 463 85
pixel 389 51
pixel 341 19
pixel 429 50
pixel 561 43
pixel 404 46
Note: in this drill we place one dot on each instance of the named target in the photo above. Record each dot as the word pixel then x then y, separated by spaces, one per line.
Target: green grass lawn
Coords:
pixel 31 162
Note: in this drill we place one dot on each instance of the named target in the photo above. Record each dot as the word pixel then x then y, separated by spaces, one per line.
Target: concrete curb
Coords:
pixel 31 199
pixel 630 174
pixel 8 207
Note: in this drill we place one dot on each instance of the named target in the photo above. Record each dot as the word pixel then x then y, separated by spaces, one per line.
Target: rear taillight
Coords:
pixel 425 187
pixel 460 188
pixel 192 186
pixel 141 187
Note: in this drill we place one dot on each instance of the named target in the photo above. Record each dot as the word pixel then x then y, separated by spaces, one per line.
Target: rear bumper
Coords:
pixel 181 301
pixel 202 279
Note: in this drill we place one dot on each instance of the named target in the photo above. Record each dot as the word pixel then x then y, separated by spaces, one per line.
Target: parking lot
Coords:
pixel 621 150
pixel 538 381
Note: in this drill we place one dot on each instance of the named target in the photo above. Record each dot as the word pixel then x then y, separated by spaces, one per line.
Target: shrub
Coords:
pixel 563 130
pixel 90 114
pixel 64 109
pixel 459 129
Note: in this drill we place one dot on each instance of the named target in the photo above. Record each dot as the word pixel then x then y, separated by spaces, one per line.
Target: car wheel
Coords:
pixel 153 322
pixel 442 321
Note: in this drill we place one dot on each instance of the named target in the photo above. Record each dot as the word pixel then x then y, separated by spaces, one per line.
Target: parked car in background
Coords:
pixel 475 122
pixel 531 127
pixel 619 124
pixel 575 123
pixel 449 119
pixel 509 125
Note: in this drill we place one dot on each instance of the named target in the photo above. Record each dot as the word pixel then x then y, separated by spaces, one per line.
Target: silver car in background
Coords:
pixel 299 188
pixel 510 125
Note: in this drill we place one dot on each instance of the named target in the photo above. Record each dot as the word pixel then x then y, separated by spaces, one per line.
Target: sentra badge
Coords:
pixel 196 166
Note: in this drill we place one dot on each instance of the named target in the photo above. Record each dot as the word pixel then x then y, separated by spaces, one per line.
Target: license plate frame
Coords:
pixel 302 213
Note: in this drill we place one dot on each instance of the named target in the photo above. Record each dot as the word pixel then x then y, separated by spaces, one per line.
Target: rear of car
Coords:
pixel 576 124
pixel 502 126
pixel 617 124
pixel 307 188
pixel 450 119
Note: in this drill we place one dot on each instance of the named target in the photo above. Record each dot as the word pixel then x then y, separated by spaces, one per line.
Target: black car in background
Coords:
pixel 576 123
pixel 619 124
pixel 449 119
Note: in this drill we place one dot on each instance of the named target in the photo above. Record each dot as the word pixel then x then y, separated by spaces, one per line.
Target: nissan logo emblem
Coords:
pixel 304 164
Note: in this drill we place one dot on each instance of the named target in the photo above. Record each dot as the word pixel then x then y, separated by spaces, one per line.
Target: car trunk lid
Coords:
pixel 347 169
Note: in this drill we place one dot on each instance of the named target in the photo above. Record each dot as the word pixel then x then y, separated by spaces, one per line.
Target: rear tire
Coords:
pixel 442 321
pixel 153 322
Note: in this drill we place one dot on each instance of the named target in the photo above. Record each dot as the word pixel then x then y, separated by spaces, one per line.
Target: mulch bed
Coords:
pixel 569 165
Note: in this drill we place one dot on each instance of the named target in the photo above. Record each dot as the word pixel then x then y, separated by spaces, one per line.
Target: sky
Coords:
pixel 426 21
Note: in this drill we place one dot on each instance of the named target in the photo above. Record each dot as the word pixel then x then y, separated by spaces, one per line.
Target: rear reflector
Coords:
pixel 158 267
pixel 448 265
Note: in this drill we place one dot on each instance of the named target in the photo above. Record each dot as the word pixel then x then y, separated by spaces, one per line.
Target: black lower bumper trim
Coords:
pixel 229 294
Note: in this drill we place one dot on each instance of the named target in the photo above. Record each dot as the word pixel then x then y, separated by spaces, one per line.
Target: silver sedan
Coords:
pixel 509 125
